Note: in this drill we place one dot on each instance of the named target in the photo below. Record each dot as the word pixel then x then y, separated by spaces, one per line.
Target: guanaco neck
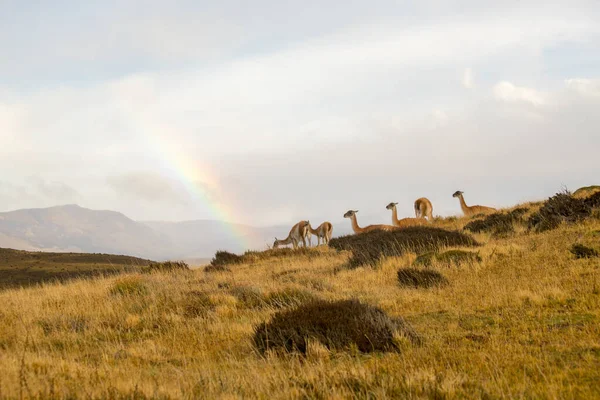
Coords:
pixel 465 208
pixel 394 216
pixel 355 227
pixel 313 231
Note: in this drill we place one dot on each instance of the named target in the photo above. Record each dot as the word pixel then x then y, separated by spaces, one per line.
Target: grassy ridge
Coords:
pixel 522 322
pixel 24 268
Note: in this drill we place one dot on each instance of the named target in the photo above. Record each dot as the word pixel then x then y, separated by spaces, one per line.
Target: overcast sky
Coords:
pixel 275 111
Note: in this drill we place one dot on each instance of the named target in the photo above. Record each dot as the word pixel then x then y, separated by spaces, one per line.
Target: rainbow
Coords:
pixel 201 183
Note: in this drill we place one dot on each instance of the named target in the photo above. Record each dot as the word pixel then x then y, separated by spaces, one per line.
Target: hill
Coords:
pixel 514 313
pixel 23 268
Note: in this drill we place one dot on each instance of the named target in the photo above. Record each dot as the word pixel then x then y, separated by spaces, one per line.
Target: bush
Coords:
pixel 417 278
pixel 129 286
pixel 368 248
pixel 288 297
pixel 562 207
pixel 167 266
pixel 498 223
pixel 447 258
pixel 336 325
pixel 581 251
pixel 593 201
pixel 223 258
pixel 216 268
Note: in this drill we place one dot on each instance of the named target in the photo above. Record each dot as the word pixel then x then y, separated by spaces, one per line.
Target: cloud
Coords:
pixel 53 190
pixel 586 87
pixel 508 92
pixel 147 186
pixel 467 80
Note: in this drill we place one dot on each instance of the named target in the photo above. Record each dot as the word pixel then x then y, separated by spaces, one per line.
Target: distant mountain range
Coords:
pixel 76 229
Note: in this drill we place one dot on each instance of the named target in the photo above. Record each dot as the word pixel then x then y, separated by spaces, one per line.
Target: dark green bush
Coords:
pixel 223 258
pixel 498 223
pixel 447 258
pixel 593 201
pixel 216 268
pixel 368 248
pixel 419 278
pixel 562 207
pixel 336 325
pixel 581 251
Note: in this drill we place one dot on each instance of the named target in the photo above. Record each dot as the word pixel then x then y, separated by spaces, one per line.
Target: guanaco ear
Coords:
pixel 355 211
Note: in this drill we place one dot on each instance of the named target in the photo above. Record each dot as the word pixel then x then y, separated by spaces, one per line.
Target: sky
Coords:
pixel 268 112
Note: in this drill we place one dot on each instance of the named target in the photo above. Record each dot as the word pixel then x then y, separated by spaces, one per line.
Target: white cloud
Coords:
pixel 467 80
pixel 587 87
pixel 508 92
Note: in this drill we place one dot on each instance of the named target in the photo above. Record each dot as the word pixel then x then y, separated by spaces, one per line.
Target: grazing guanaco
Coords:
pixel 357 229
pixel 404 222
pixel 471 210
pixel 323 231
pixel 297 234
pixel 424 208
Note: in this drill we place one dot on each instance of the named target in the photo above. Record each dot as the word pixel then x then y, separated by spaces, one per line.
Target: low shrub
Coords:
pixel 167 266
pixel 593 201
pixel 562 207
pixel 335 324
pixel 368 248
pixel 223 258
pixel 216 268
pixel 129 286
pixel 447 258
pixel 581 251
pixel 499 223
pixel 419 278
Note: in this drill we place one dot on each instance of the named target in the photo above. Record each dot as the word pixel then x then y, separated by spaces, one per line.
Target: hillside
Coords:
pixel 23 268
pixel 518 318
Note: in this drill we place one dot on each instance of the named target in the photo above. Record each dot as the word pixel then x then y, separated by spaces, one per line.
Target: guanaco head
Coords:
pixel 276 243
pixel 391 206
pixel 350 213
pixel 458 193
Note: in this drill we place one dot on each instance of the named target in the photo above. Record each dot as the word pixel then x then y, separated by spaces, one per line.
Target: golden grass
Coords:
pixel 525 322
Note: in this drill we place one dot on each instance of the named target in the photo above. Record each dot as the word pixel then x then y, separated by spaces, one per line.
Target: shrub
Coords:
pixel 562 207
pixel 223 258
pixel 197 304
pixel 216 268
pixel 498 223
pixel 167 266
pixel 447 258
pixel 336 325
pixel 418 278
pixel 368 248
pixel 288 297
pixel 593 201
pixel 129 286
pixel 581 251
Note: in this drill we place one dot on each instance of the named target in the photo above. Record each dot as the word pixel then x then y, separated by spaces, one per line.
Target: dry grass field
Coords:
pixel 520 321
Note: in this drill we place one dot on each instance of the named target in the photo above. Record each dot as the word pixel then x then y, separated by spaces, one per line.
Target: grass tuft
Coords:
pixel 167 266
pixel 336 325
pixel 419 278
pixel 129 286
pixel 581 251
pixel 447 258
pixel 289 297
